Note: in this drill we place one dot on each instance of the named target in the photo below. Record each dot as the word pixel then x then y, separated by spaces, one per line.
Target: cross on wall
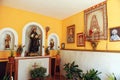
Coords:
pixel 35 65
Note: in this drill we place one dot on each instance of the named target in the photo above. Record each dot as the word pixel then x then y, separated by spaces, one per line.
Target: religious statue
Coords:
pixel 51 44
pixel 34 40
pixel 7 41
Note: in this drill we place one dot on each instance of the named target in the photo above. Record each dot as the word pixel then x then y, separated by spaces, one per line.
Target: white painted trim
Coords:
pixel 54 35
pixel 11 30
pixel 43 34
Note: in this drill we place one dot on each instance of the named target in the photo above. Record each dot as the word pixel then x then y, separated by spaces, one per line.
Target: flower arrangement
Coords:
pixel 92 39
pixel 92 33
pixel 47 51
pixel 19 49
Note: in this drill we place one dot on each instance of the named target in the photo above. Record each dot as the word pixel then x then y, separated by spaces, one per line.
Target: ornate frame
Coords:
pixel 71 34
pixel 100 12
pixel 80 39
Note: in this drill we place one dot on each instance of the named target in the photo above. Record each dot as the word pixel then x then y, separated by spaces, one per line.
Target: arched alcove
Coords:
pixel 26 36
pixel 13 38
pixel 55 38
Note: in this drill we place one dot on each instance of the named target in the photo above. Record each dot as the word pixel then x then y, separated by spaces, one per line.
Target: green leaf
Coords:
pixel 72 71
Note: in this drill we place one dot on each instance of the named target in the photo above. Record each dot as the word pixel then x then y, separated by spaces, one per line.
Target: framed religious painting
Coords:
pixel 80 39
pixel 96 21
pixel 71 34
pixel 115 34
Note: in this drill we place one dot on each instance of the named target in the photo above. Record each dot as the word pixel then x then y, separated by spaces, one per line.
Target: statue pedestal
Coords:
pixel 33 54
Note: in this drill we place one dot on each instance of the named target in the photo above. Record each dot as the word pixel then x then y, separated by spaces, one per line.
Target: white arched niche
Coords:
pixel 55 38
pixel 14 38
pixel 26 33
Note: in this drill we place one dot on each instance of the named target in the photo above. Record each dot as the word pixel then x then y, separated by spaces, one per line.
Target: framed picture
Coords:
pixel 115 34
pixel 80 39
pixel 62 45
pixel 71 34
pixel 96 21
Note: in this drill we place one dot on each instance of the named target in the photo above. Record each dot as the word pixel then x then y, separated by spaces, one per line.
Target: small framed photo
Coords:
pixel 62 45
pixel 71 34
pixel 115 34
pixel 80 39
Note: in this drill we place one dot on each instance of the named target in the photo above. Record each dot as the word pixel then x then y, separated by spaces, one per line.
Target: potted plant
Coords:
pixel 72 71
pixel 6 77
pixel 112 77
pixel 47 52
pixel 91 75
pixel 38 73
pixel 19 49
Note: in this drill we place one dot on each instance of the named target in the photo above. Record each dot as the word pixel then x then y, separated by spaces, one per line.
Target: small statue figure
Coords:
pixel 51 44
pixel 34 41
pixel 7 41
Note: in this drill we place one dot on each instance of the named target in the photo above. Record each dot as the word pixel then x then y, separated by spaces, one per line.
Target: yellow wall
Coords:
pixel 17 19
pixel 113 13
pixel 113 20
pixel 78 20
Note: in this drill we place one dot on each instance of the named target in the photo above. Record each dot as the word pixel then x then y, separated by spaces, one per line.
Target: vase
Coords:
pixel 94 44
pixel 18 54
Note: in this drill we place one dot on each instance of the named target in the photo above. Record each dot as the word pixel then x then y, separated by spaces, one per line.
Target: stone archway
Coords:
pixel 55 37
pixel 26 39
pixel 14 38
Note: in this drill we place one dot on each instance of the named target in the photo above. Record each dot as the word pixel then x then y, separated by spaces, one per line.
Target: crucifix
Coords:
pixel 35 65
pixel 47 29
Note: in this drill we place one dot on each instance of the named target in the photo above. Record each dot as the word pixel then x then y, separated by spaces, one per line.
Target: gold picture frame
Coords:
pixel 71 34
pixel 96 20
pixel 80 39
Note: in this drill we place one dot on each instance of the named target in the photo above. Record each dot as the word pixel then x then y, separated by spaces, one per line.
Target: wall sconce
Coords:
pixel 92 37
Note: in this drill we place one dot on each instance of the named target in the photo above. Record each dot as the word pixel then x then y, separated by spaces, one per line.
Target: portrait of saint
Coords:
pixel 115 34
pixel 94 26
pixel 80 39
pixel 96 21
pixel 70 34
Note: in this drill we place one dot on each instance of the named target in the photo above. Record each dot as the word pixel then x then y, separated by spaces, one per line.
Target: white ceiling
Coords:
pixel 59 9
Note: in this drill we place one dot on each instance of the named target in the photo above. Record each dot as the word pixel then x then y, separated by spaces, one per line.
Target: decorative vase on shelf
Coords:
pixel 47 51
pixel 94 44
pixel 19 50
pixel 92 38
